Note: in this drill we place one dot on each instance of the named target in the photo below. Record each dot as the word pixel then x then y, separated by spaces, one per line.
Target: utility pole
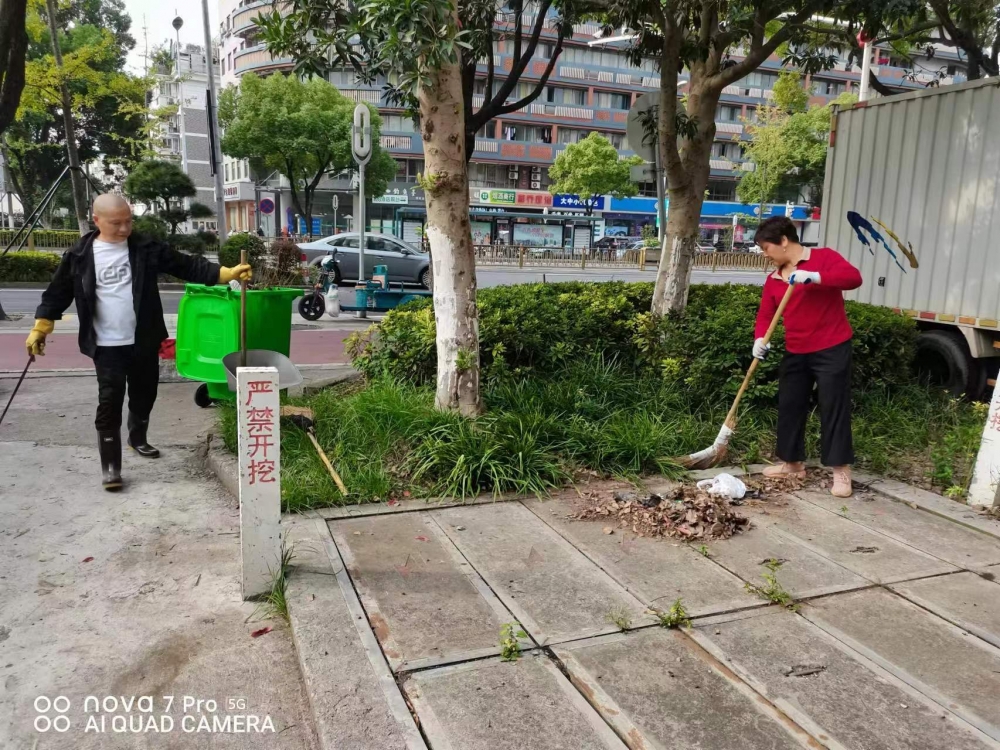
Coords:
pixel 75 172
pixel 213 132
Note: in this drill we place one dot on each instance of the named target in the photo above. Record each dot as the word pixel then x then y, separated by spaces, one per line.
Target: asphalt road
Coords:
pixel 26 300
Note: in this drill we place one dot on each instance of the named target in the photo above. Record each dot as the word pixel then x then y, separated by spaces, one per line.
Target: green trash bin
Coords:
pixel 208 328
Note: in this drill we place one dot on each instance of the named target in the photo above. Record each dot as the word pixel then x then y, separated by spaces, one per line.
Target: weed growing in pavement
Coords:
pixel 620 617
pixel 273 604
pixel 772 590
pixel 844 510
pixel 703 549
pixel 675 617
pixel 510 649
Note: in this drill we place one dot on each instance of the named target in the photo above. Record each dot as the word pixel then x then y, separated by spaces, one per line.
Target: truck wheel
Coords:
pixel 201 396
pixel 943 361
pixel 312 306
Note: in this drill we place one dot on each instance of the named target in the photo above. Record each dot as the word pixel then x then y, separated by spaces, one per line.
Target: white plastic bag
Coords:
pixel 332 300
pixel 724 485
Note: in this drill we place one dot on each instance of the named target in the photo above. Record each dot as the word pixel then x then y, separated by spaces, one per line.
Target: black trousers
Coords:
pixel 119 367
pixel 830 370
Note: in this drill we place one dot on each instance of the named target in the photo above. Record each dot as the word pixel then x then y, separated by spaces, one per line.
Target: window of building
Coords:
pixel 564 95
pixel 397 124
pixel 343 77
pixel 569 135
pixel 722 190
pixel 758 80
pixel 618 140
pixel 725 113
pixel 528 133
pixel 611 100
pixel 486 175
pixel 487 131
pixel 831 88
pixel 400 170
pixel 227 172
pixel 229 59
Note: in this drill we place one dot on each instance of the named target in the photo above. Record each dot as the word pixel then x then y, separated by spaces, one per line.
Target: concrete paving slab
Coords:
pixel 837 538
pixel 803 573
pixel 932 503
pixel 347 700
pixel 554 591
pixel 495 705
pixel 952 667
pixel 424 602
pixel 930 533
pixel 965 599
pixel 657 571
pixel 659 688
pixel 846 703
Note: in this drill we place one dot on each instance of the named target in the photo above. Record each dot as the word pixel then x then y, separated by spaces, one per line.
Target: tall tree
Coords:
pixel 13 49
pixel 162 185
pixel 591 167
pixel 302 129
pixel 108 104
pixel 66 105
pixel 428 52
pixel 717 43
pixel 788 150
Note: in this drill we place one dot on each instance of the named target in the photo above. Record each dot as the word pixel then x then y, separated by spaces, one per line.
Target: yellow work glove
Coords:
pixel 237 273
pixel 36 339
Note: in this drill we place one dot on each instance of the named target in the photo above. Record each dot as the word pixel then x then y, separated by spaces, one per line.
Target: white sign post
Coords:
pixel 258 410
pixel 985 485
pixel 361 146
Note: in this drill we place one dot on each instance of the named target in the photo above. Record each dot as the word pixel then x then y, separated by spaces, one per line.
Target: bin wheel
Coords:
pixel 312 307
pixel 201 396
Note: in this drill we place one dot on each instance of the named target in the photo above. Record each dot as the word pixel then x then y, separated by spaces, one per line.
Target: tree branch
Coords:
pixel 508 108
pixel 761 50
pixel 521 61
pixel 670 158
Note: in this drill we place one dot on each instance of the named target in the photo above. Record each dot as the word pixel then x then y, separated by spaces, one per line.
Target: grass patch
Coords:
pixel 510 648
pixel 274 604
pixel 772 590
pixel 620 616
pixel 387 441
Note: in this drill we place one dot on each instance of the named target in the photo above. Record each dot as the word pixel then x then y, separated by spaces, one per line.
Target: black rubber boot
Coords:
pixel 137 438
pixel 110 445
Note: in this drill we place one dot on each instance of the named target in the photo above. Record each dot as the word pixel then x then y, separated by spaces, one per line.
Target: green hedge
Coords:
pixel 229 253
pixel 544 327
pixel 27 266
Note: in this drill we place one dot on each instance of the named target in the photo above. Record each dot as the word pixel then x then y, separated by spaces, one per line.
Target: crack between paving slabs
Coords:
pixel 927 695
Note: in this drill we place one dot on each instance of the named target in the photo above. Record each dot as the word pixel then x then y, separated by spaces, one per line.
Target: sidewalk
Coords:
pixel 127 595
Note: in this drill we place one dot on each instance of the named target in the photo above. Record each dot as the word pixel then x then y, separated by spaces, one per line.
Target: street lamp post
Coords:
pixel 213 130
pixel 361 145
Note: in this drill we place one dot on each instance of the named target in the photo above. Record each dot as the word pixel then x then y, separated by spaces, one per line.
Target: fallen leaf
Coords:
pixel 422 538
pixel 88 559
pixel 406 493
pixel 262 631
pixel 392 502
pixel 608 530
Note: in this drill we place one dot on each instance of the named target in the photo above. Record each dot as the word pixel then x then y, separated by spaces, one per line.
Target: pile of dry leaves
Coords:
pixel 684 513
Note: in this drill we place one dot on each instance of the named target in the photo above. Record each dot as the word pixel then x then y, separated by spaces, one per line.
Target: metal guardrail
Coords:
pixel 525 256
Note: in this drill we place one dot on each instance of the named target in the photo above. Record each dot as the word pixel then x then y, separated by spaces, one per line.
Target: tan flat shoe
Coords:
pixel 797 470
pixel 842 486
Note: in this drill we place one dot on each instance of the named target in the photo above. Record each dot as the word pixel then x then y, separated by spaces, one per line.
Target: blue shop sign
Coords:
pixel 566 200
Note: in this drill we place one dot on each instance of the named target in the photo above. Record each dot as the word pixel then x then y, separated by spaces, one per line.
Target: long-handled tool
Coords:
pixel 31 358
pixel 243 311
pixel 716 452
pixel 302 417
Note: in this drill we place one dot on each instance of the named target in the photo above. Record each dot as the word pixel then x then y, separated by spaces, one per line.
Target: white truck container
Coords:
pixel 926 167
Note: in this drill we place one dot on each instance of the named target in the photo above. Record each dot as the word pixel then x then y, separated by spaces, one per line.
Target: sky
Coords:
pixel 158 18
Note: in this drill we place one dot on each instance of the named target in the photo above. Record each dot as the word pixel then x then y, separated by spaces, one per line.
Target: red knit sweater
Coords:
pixel 815 318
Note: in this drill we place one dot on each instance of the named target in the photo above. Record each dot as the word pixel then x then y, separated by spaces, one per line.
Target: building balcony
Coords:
pixel 258 58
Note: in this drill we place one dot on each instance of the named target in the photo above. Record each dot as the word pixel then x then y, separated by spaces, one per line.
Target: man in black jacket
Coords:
pixel 112 276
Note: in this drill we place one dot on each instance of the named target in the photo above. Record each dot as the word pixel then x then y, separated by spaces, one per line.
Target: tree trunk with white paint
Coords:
pixel 688 170
pixel 446 184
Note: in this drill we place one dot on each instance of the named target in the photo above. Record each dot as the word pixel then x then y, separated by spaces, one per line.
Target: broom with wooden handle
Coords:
pixel 716 453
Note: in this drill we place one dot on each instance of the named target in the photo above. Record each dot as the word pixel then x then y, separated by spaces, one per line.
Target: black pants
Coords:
pixel 118 367
pixel 830 370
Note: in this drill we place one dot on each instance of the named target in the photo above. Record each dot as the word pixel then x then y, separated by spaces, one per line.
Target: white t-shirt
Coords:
pixel 114 319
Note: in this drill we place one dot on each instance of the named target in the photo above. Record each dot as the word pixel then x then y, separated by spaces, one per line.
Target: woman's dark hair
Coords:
pixel 773 229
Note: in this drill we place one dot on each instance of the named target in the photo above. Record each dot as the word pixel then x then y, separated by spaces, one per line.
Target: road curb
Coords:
pixel 218 461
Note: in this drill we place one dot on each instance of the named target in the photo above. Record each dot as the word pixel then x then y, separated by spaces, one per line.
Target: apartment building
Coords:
pixel 183 136
pixel 591 88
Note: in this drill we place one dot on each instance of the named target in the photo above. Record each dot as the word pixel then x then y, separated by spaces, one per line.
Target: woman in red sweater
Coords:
pixel 818 349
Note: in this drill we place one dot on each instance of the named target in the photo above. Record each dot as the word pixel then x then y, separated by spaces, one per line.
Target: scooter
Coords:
pixel 325 297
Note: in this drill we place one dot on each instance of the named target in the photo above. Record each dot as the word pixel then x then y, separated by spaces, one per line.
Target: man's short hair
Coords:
pixel 773 229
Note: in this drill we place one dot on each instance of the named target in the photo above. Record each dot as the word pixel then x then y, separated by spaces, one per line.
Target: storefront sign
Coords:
pixel 564 200
pixel 400 199
pixel 526 198
pixel 239 191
